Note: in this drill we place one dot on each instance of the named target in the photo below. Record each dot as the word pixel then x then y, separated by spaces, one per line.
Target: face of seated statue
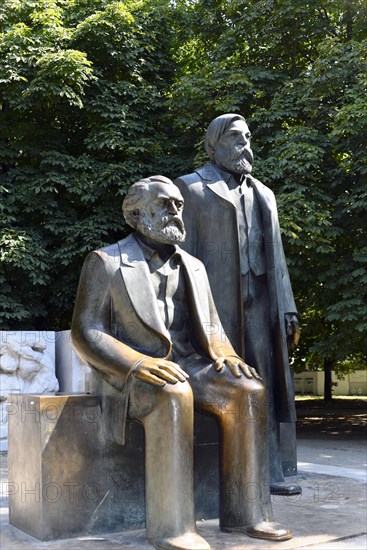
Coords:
pixel 160 217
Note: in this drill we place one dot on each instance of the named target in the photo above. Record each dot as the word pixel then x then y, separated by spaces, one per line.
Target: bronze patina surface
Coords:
pixel 232 225
pixel 145 319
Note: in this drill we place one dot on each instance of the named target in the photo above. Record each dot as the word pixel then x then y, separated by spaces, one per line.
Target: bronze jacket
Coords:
pixel 212 235
pixel 116 318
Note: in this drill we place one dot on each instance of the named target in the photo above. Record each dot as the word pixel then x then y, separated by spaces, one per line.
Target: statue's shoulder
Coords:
pixel 203 174
pixel 112 253
pixel 187 180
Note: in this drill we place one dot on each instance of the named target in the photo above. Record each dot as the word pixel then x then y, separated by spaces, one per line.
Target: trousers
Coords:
pixel 239 405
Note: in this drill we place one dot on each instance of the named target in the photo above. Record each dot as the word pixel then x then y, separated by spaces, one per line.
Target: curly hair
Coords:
pixel 137 197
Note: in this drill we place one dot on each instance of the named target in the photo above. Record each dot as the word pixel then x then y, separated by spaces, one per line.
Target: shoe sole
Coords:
pixel 253 535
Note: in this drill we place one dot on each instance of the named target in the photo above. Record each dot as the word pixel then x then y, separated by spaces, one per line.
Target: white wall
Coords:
pixel 312 383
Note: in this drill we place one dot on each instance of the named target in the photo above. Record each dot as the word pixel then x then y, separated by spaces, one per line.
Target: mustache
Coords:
pixel 170 233
pixel 246 154
pixel 172 220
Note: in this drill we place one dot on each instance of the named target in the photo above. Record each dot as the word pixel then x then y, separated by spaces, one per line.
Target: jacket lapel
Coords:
pixel 136 276
pixel 215 182
pixel 200 309
pixel 267 208
pixel 269 216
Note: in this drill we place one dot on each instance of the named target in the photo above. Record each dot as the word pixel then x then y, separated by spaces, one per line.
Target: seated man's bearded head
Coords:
pixel 142 211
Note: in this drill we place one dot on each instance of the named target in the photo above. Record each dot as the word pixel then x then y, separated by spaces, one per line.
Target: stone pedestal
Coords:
pixel 72 373
pixel 58 466
pixel 66 479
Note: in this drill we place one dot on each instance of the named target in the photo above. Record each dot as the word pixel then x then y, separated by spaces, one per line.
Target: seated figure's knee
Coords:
pixel 246 401
pixel 180 394
pixel 146 398
pixel 252 387
pixel 244 386
pixel 253 397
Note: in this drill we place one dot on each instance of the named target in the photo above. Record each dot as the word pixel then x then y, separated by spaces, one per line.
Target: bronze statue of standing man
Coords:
pixel 232 225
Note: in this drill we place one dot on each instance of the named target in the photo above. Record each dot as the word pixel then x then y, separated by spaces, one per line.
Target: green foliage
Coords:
pixel 61 74
pixel 297 71
pixel 82 87
pixel 98 93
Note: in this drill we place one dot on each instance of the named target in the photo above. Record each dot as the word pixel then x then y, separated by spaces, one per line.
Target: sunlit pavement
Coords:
pixel 330 514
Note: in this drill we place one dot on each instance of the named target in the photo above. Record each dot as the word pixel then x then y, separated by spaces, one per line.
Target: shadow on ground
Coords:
pixel 342 418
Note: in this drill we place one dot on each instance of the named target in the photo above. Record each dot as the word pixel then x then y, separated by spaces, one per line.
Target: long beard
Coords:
pixel 239 163
pixel 241 166
pixel 168 230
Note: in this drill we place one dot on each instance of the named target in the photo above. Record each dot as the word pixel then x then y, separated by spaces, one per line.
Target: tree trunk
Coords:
pixel 328 365
pixel 349 20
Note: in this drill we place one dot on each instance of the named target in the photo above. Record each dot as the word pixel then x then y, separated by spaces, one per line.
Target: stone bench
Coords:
pixel 66 479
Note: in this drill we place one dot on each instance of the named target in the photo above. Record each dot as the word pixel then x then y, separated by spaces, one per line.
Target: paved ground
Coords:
pixel 329 515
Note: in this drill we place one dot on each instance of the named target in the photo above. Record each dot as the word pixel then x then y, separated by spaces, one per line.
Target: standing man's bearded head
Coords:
pixel 227 143
pixel 153 207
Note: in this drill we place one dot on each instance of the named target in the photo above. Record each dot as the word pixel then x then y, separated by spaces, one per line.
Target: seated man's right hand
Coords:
pixel 159 371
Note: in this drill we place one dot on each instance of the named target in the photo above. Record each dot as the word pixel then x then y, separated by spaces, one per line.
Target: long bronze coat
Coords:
pixel 212 235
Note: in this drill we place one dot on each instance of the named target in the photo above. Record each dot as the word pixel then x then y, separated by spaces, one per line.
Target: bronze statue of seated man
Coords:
pixel 145 319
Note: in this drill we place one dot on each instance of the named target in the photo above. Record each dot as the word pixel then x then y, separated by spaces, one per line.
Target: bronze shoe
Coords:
pixel 266 530
pixel 188 541
pixel 283 488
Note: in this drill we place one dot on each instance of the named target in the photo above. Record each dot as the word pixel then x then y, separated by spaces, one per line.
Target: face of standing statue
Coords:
pixel 161 219
pixel 233 150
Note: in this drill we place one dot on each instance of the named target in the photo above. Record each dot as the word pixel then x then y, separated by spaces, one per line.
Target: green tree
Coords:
pixel 82 87
pixel 297 71
pixel 96 94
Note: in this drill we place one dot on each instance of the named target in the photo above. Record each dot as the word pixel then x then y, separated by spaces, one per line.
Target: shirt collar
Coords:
pixel 149 252
pixel 226 176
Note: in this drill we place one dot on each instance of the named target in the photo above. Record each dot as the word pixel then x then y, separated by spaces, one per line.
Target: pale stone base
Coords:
pixel 66 479
pixel 72 373
pixel 27 365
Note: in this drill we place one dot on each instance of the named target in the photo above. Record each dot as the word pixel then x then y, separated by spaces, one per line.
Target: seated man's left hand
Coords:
pixel 237 367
